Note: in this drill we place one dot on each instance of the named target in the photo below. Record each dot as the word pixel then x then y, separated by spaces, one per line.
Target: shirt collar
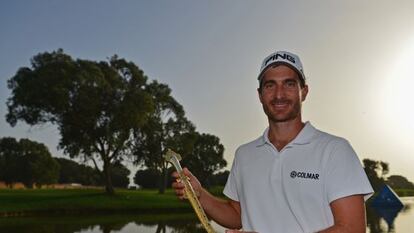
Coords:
pixel 304 137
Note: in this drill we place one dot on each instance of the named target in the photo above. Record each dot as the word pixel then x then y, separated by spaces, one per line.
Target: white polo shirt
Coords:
pixel 290 190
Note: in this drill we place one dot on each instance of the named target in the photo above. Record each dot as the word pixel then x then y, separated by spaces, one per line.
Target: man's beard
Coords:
pixel 292 114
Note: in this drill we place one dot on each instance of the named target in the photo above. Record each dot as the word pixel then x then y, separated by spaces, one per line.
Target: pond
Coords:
pixel 379 221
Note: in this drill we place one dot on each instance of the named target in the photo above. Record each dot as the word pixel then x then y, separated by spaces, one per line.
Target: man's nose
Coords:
pixel 279 91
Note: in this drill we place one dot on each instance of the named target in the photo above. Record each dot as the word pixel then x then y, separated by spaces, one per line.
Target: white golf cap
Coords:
pixel 285 58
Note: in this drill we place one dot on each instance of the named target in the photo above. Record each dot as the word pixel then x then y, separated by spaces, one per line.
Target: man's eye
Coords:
pixel 290 84
pixel 268 85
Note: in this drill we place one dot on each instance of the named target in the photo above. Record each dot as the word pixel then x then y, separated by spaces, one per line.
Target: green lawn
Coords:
pixel 16 202
pixel 405 192
pixel 51 201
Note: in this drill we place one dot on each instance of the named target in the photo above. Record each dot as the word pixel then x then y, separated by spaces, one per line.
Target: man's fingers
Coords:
pixel 177 185
pixel 180 192
pixel 175 175
pixel 188 173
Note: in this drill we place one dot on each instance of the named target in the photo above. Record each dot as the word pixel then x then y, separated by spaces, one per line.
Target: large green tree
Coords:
pixel 201 153
pixel 164 129
pixel 28 162
pixel 96 106
pixel 205 158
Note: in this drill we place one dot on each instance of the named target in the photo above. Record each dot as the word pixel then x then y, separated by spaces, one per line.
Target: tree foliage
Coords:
pixel 96 106
pixel 163 130
pixel 203 155
pixel 120 175
pixel 220 178
pixel 73 172
pixel 147 178
pixel 376 171
pixel 399 182
pixel 205 158
pixel 169 128
pixel 11 160
pixel 28 162
pixel 106 112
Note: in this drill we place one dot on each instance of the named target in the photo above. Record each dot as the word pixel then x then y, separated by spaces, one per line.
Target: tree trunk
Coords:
pixel 163 180
pixel 107 170
pixel 160 228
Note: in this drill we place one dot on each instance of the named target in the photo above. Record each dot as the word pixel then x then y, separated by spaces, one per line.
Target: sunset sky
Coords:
pixel 358 57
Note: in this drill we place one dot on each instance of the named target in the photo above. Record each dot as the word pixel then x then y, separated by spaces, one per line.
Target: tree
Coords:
pixel 384 167
pixel 205 158
pixel 73 172
pixel 28 162
pixel 11 160
pixel 399 182
pixel 220 178
pixel 120 175
pixel 147 178
pixel 376 171
pixel 163 130
pixel 39 167
pixel 96 106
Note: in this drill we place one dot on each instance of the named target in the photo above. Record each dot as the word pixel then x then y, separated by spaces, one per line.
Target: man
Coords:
pixel 294 178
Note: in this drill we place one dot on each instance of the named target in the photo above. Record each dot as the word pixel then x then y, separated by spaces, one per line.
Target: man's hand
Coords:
pixel 224 212
pixel 179 187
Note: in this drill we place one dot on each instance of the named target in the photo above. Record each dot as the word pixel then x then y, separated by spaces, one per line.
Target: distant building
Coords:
pixel 18 185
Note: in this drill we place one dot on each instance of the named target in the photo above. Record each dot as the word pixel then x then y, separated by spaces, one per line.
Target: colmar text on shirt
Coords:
pixel 305 175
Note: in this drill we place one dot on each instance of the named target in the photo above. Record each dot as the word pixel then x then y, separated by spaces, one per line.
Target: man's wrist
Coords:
pixel 202 194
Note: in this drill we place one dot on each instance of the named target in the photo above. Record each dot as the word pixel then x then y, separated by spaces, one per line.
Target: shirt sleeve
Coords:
pixel 345 174
pixel 230 189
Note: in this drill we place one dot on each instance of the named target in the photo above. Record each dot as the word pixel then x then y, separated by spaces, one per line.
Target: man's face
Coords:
pixel 281 94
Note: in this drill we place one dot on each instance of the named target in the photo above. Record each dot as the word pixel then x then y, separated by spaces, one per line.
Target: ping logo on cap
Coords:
pixel 282 56
pixel 286 58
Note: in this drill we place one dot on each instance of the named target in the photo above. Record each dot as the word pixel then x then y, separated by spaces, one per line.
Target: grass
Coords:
pixel 83 201
pixel 49 201
pixel 404 192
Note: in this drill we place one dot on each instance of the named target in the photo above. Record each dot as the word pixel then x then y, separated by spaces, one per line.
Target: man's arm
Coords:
pixel 224 212
pixel 349 215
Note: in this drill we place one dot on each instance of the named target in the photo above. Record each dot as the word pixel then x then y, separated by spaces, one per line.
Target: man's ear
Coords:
pixel 304 92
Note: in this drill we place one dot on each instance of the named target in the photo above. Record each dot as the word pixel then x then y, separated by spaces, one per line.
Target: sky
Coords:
pixel 357 56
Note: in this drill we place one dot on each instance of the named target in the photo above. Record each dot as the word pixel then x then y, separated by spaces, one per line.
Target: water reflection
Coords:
pixel 181 223
pixel 379 220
